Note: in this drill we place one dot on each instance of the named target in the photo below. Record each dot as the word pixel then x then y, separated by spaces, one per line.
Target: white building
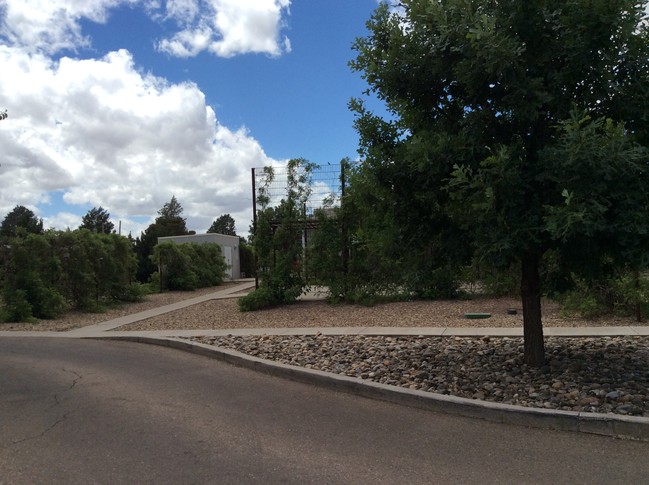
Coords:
pixel 229 248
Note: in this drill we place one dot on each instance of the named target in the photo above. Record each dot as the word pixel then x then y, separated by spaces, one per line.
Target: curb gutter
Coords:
pixel 619 426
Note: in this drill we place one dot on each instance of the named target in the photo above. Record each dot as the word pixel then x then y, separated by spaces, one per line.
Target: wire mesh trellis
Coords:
pixel 325 187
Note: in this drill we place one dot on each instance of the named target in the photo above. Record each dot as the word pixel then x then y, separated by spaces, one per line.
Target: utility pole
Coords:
pixel 3 115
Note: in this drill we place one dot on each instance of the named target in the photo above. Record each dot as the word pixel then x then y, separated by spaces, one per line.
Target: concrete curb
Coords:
pixel 629 427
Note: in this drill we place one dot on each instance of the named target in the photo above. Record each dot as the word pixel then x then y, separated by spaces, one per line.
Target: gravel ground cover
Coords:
pixel 225 314
pixel 604 374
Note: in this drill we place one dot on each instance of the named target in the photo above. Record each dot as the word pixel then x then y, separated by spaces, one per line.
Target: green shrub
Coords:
pixel 623 294
pixel 17 307
pixel 48 273
pixel 131 293
pixel 434 284
pixel 207 263
pixel 581 304
pixel 188 266
pixel 46 302
pixel 259 299
pixel 629 293
pixel 153 285
pixel 246 260
pixel 490 280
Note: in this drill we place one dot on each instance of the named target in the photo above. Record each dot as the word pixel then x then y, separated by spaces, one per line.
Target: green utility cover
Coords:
pixel 477 315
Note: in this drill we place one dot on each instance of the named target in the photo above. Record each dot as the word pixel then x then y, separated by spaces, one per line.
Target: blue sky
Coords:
pixel 124 103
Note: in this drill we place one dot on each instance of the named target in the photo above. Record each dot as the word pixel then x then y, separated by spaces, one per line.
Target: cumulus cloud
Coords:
pixel 52 25
pixel 222 27
pixel 227 27
pixel 183 11
pixel 99 132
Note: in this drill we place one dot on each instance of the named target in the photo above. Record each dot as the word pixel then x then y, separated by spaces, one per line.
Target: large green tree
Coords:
pixel 20 218
pixel 519 122
pixel 168 223
pixel 223 225
pixel 97 219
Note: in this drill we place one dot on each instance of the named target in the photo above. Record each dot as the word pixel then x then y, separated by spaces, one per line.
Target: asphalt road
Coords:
pixel 83 411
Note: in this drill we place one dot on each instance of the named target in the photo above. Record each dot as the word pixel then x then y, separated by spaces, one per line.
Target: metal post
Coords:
pixel 254 226
pixel 343 226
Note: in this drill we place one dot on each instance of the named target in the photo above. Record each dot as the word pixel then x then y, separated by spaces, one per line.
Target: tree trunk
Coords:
pixel 636 286
pixel 534 347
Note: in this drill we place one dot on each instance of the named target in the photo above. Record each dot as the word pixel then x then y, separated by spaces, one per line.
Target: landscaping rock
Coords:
pixel 477 368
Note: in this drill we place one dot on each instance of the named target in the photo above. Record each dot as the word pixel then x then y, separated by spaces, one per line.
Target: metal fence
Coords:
pixel 325 184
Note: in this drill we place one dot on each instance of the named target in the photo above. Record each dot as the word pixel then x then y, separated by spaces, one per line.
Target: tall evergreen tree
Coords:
pixel 20 218
pixel 171 209
pixel 97 220
pixel 168 223
pixel 223 225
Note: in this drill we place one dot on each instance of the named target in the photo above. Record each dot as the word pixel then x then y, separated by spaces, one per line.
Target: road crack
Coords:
pixel 56 403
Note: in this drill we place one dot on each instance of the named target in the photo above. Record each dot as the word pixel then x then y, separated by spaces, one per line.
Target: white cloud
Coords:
pixel 223 27
pixel 63 221
pixel 227 27
pixel 102 133
pixel 183 11
pixel 52 25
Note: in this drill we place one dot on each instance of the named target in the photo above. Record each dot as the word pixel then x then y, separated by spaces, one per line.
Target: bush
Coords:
pixel 48 273
pixel 493 281
pixel 46 302
pixel 623 295
pixel 578 303
pixel 434 284
pixel 17 308
pixel 246 260
pixel 259 299
pixel 131 293
pixel 188 266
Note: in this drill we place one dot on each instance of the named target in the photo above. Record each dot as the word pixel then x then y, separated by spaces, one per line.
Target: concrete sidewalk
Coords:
pixel 396 331
pixel 99 328
pixel 154 312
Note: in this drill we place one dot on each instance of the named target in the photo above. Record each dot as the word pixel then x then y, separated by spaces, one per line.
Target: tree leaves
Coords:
pixel 20 219
pixel 97 219
pixel 224 224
